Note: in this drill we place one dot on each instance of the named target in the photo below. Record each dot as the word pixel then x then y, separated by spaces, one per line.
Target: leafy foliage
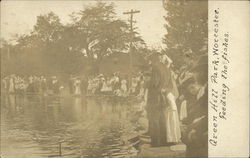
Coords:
pixel 52 47
pixel 187 30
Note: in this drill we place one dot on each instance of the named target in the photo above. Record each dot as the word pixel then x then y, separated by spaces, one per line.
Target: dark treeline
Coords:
pixel 94 33
pixel 54 48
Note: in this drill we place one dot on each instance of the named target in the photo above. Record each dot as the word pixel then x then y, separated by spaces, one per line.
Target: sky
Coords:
pixel 18 17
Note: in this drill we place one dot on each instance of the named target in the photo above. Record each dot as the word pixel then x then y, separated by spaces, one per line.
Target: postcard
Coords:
pixel 124 79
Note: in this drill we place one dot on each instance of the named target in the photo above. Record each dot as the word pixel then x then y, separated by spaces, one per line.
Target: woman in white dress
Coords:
pixel 170 93
pixel 77 86
pixel 173 132
pixel 124 88
pixel 11 85
pixel 105 88
pixel 133 86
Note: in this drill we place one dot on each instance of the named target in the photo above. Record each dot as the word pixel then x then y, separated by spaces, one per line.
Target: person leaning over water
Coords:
pixel 170 94
pixel 155 105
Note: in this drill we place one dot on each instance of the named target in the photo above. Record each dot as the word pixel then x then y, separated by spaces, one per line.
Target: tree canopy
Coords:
pixel 53 47
pixel 187 31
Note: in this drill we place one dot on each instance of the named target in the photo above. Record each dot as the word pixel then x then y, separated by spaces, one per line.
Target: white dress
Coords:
pixel 104 87
pixel 124 88
pixel 173 131
pixel 133 86
pixel 183 110
pixel 11 86
pixel 77 87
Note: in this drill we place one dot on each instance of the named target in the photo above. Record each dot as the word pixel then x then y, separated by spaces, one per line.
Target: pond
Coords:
pixel 75 127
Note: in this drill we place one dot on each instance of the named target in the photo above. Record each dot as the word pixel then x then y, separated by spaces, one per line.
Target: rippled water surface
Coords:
pixel 36 127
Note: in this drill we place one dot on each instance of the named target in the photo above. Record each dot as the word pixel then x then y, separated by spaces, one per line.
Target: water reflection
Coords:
pixel 33 126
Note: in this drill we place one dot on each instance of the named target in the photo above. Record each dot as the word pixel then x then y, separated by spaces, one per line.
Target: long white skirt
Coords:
pixel 183 110
pixel 173 132
pixel 77 90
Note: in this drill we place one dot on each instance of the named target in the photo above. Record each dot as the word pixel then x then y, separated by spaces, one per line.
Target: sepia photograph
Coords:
pixel 104 79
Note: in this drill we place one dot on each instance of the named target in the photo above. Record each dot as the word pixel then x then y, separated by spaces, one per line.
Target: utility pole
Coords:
pixel 131 21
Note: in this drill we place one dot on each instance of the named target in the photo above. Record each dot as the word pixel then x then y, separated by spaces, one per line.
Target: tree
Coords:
pixel 54 48
pixel 38 50
pixel 100 32
pixel 6 55
pixel 187 33
pixel 48 27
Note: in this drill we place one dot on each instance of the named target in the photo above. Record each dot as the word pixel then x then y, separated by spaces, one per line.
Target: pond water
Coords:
pixel 74 127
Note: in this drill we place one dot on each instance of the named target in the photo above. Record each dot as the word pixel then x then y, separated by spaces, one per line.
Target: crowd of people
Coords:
pixel 93 85
pixel 115 84
pixel 171 99
pixel 15 84
pixel 177 106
